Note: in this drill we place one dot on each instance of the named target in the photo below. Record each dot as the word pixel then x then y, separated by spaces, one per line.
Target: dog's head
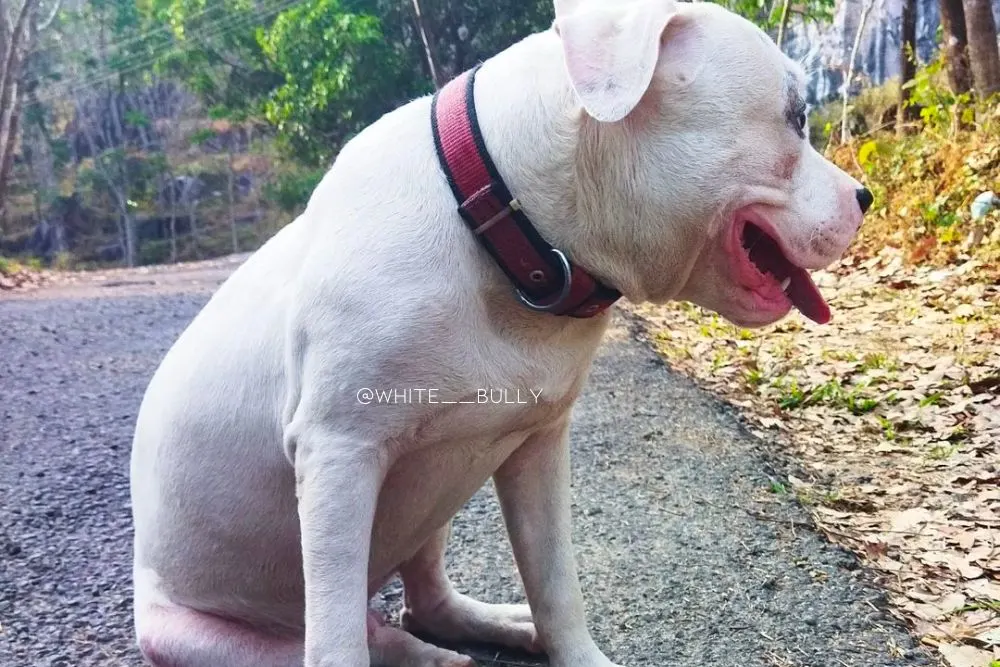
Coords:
pixel 694 159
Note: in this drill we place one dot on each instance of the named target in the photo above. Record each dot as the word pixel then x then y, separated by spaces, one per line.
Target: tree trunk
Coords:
pixel 126 228
pixel 906 111
pixel 983 53
pixel 123 191
pixel 193 221
pixel 42 168
pixel 869 5
pixel 12 47
pixel 232 190
pixel 783 23
pixel 128 224
pixel 956 45
pixel 42 162
pixel 10 116
pixel 256 183
pixel 15 42
pixel 131 247
pixel 425 37
pixel 111 175
pixel 173 216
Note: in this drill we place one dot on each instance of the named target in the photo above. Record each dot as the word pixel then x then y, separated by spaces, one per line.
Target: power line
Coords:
pixel 144 61
pixel 257 12
pixel 70 86
pixel 139 37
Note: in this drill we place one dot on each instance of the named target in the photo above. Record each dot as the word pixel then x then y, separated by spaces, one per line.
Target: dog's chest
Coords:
pixel 455 449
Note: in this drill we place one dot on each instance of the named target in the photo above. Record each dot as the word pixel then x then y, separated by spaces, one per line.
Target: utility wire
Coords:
pixel 194 39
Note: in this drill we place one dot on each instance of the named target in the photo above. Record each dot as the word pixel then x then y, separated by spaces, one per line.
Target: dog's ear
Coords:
pixel 611 50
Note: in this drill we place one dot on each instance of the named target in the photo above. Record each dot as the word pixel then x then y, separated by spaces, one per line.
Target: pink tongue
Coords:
pixel 806 297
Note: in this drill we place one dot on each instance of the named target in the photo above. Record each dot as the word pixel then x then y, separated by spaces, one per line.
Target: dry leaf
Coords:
pixel 984 588
pixel 894 412
pixel 908 520
pixel 990 638
pixel 959 655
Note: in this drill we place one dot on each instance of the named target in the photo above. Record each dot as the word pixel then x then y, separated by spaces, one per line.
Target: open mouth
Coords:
pixel 771 273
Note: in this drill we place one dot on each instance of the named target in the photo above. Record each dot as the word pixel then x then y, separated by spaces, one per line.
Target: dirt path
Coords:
pixel 181 278
pixel 892 412
pixel 687 558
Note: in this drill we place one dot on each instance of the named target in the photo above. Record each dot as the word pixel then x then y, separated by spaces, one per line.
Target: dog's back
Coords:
pixel 211 422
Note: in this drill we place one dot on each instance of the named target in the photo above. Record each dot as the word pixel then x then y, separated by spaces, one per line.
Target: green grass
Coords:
pixel 754 377
pixel 932 399
pixel 942 452
pixel 778 488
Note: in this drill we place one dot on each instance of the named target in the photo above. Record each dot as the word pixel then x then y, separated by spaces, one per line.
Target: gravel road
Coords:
pixel 687 559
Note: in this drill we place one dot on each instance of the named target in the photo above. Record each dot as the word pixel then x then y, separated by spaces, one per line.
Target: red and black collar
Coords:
pixel 544 278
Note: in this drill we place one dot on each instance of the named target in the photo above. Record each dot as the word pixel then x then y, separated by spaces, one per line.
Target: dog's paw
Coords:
pixel 584 658
pixel 392 647
pixel 460 618
pixel 448 659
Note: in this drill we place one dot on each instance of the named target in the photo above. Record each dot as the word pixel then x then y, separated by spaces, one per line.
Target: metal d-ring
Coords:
pixel 567 272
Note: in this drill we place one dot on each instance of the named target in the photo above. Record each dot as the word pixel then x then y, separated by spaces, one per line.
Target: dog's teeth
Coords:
pixel 785 283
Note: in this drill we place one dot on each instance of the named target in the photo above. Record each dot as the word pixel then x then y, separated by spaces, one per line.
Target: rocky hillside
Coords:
pixel 824 50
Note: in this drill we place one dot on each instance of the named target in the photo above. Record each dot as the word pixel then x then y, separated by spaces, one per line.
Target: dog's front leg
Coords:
pixel 533 486
pixel 337 485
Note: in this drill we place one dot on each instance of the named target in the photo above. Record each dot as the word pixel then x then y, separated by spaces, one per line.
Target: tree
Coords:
pixel 213 47
pixel 108 91
pixel 783 22
pixel 432 66
pixel 319 70
pixel 774 15
pixel 956 45
pixel 18 28
pixel 906 110
pixel 865 11
pixel 984 55
pixel 13 38
pixel 110 165
pixel 236 121
pixel 340 72
pixel 460 34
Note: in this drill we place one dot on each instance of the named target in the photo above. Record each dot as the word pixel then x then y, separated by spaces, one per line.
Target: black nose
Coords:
pixel 865 199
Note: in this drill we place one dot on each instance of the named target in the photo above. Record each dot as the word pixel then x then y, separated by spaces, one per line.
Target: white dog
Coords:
pixel 313 431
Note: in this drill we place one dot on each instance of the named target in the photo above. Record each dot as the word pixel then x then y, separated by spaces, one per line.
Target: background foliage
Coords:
pixel 196 127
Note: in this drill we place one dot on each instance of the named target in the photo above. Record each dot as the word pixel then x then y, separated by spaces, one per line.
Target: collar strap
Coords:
pixel 544 279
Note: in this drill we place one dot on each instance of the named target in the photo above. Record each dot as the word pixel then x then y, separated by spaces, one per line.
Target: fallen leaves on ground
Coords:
pixel 893 411
pixel 17 278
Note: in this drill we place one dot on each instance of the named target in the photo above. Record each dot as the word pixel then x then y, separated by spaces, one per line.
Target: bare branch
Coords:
pixel 850 67
pixel 783 23
pixel 9 58
pixel 44 25
pixel 428 48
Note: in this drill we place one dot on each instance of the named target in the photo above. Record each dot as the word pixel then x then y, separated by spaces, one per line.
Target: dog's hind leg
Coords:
pixel 434 607
pixel 174 636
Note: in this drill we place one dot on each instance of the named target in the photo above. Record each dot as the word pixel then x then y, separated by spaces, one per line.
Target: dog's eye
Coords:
pixel 798 119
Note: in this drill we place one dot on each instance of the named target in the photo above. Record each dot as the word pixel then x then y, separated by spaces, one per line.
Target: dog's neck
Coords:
pixel 544 146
